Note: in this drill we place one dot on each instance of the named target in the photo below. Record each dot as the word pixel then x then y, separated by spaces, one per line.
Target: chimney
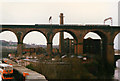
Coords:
pixel 61 37
pixel 61 18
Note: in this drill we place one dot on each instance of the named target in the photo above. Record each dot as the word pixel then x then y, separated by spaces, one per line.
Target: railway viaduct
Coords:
pixel 106 32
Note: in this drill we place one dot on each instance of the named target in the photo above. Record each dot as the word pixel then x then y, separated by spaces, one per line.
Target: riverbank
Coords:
pixel 71 68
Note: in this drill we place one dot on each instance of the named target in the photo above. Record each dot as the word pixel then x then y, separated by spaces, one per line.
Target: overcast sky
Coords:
pixel 39 11
pixel 75 11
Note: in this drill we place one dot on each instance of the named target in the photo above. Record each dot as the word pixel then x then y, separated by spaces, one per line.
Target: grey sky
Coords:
pixel 75 12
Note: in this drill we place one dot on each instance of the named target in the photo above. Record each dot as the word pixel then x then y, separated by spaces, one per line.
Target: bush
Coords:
pixel 30 66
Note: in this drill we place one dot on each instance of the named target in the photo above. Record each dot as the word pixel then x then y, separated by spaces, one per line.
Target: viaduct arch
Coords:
pixel 106 32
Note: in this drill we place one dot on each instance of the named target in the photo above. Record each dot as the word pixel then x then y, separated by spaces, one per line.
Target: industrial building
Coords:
pixel 92 46
pixel 69 46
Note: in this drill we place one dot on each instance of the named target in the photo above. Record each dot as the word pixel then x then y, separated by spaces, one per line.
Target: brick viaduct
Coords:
pixel 106 32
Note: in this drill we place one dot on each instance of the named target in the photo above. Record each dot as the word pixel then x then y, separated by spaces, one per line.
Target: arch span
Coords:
pixel 100 33
pixel 70 32
pixel 36 32
pixel 33 31
pixel 9 43
pixel 9 33
pixel 92 35
pixel 7 30
pixel 68 45
pixel 116 42
pixel 96 44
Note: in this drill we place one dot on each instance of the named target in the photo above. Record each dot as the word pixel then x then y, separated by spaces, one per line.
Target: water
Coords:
pixel 117 53
pixel 117 70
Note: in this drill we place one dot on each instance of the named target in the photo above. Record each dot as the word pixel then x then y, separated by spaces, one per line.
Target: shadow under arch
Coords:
pixel 103 43
pixel 103 66
pixel 35 31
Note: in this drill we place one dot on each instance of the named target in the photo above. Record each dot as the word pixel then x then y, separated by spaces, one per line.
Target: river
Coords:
pixel 117 74
pixel 117 70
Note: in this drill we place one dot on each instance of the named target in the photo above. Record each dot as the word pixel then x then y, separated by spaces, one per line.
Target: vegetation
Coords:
pixel 72 68
pixel 6 51
pixel 30 67
pixel 40 50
